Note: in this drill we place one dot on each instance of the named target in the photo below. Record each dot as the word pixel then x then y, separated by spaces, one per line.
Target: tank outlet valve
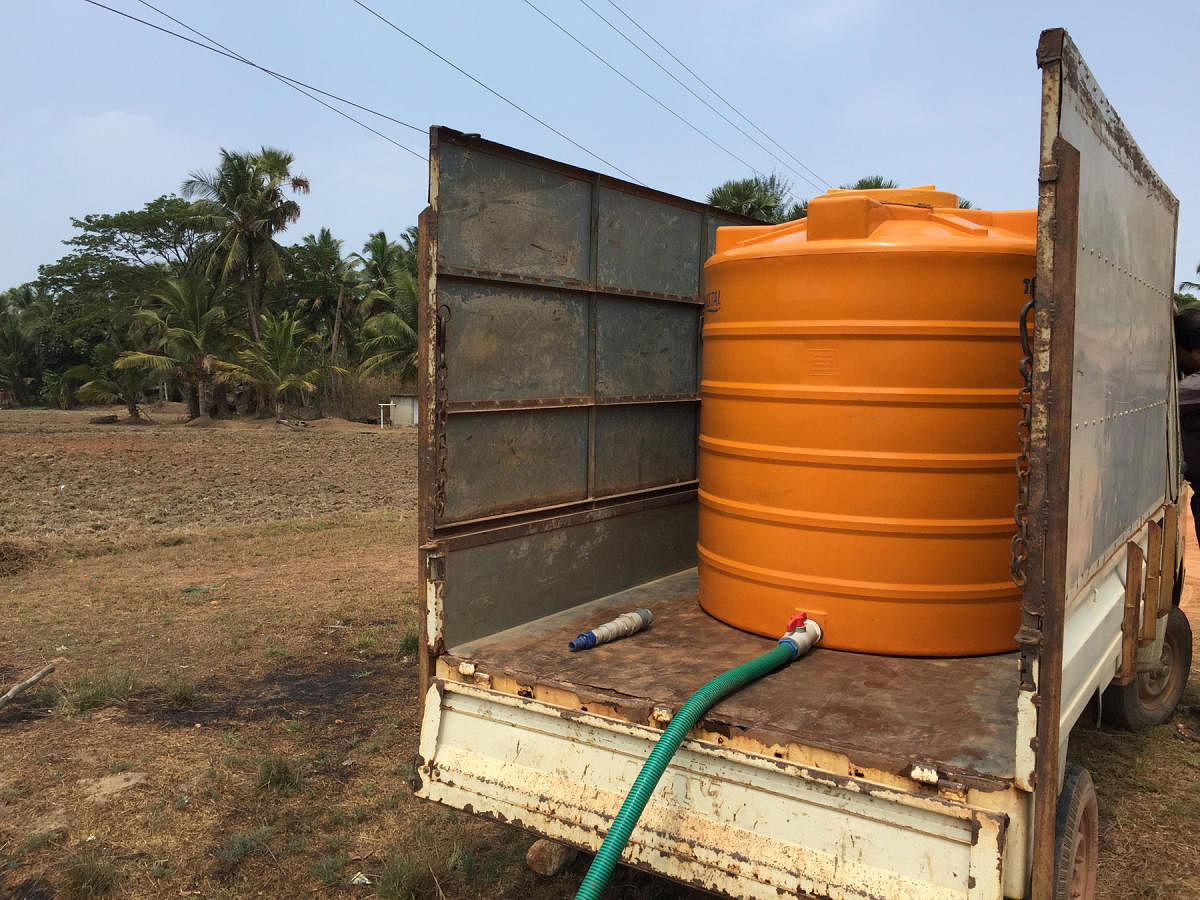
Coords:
pixel 621 626
pixel 802 635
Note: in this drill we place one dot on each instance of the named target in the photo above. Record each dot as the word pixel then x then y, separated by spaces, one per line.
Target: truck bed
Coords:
pixel 887 713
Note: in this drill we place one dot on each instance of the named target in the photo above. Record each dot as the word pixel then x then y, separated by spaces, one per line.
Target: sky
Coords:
pixel 102 114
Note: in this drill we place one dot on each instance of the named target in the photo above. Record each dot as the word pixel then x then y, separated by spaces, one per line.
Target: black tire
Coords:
pixel 1076 837
pixel 1151 698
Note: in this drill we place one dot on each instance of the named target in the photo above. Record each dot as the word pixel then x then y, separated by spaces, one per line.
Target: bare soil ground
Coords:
pixel 231 610
pixel 1149 784
pixel 232 613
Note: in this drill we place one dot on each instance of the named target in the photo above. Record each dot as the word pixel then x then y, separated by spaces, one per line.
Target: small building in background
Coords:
pixel 404 409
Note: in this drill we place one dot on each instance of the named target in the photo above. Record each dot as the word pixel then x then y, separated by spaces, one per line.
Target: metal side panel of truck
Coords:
pixel 560 325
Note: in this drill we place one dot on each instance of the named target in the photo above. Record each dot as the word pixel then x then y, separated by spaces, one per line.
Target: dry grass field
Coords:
pixel 231 611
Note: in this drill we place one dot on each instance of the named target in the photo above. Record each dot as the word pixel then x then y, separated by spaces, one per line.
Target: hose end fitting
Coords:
pixel 622 626
pixel 585 641
pixel 802 635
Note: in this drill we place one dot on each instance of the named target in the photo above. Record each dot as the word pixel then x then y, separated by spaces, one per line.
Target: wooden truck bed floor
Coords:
pixel 883 712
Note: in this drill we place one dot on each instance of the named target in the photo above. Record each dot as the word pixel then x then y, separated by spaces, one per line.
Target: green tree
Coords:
pixel 115 259
pixel 871 183
pixel 186 325
pixel 245 203
pixel 103 382
pixel 282 360
pixel 386 269
pixel 1187 287
pixel 19 369
pixel 163 233
pixel 766 198
pixel 324 283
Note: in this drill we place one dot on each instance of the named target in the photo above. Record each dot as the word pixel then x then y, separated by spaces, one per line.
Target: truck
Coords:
pixel 560 323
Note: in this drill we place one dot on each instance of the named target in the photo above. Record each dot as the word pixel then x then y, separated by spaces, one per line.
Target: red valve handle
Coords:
pixel 797 621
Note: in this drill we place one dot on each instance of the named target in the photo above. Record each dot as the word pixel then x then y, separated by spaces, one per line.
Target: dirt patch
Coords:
pixel 341 690
pixel 258 582
pixel 14 558
pixel 31 889
pixel 1148 784
pixel 86 489
pixel 101 790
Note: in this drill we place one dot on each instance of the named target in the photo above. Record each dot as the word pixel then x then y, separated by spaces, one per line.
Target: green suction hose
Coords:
pixel 609 854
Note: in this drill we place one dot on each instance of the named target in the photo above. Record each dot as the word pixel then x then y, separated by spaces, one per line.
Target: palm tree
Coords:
pixel 281 361
pixel 104 383
pixel 188 331
pixel 391 336
pixel 1188 286
pixel 244 202
pixel 18 354
pixel 871 183
pixel 767 198
pixel 324 280
pixel 386 270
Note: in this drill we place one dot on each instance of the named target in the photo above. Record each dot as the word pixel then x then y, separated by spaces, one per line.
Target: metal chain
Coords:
pixel 1024 428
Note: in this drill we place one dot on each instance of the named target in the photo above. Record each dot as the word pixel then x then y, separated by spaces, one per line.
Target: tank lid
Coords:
pixel 848 215
pixel 918 195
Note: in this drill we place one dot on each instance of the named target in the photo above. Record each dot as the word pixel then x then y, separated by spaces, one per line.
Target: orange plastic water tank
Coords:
pixel 859 407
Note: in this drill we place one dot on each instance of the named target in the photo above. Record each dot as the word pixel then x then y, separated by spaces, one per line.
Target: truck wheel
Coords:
pixel 1152 697
pixel 1076 837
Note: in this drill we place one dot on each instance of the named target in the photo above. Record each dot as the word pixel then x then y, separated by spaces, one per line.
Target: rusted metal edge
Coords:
pixel 1050 452
pixel 1050 46
pixel 1172 560
pixel 593 351
pixel 458 407
pixel 1152 604
pixel 561 285
pixel 442 134
pixel 1107 124
pixel 477 532
pixel 712 728
pixel 1134 561
pixel 426 418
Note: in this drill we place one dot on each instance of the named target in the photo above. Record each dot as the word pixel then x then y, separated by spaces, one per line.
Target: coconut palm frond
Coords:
pixel 136 359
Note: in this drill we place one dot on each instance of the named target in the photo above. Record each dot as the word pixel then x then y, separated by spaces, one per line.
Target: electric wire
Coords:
pixel 494 92
pixel 691 72
pixel 698 131
pixel 285 78
pixel 689 89
pixel 293 83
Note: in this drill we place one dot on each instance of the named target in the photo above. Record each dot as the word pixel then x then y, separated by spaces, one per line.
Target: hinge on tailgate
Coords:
pixel 435 567
pixel 1029 639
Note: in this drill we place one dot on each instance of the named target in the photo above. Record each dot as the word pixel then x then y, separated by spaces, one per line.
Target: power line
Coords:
pixel 688 88
pixel 494 92
pixel 293 83
pixel 688 69
pixel 698 131
pixel 284 78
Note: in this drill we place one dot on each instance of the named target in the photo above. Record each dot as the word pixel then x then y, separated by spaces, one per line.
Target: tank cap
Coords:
pixel 918 195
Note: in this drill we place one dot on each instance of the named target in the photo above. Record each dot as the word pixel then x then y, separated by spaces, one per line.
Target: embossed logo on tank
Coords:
pixel 712 301
pixel 821 361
